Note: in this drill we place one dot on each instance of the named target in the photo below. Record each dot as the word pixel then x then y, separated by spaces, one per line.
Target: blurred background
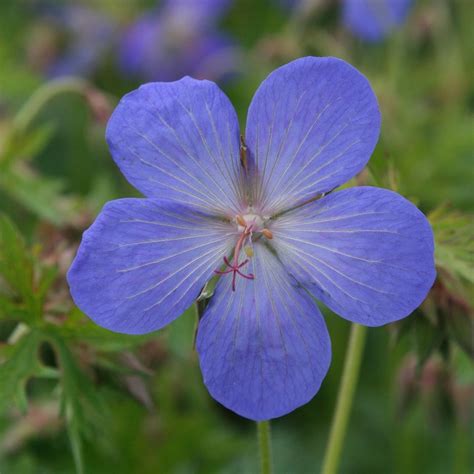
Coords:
pixel 77 398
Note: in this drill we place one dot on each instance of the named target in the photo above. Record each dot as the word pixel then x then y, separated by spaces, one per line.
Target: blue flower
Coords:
pixel 263 218
pixel 372 20
pixel 87 35
pixel 178 38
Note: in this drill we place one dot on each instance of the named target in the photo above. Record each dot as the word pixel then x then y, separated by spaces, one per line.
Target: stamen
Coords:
pixel 240 220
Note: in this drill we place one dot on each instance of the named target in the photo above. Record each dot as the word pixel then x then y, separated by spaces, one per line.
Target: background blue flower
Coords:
pixel 83 36
pixel 177 38
pixel 372 20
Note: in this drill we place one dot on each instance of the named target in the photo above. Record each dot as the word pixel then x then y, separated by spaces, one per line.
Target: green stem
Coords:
pixel 344 399
pixel 264 446
pixel 43 95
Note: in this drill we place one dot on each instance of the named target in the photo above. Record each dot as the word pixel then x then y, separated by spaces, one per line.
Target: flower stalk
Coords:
pixel 264 446
pixel 43 95
pixel 344 400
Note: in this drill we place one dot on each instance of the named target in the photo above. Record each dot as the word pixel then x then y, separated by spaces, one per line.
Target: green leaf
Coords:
pixel 41 195
pixel 22 364
pixel 11 310
pixel 76 446
pixel 26 281
pixel 455 261
pixel 47 276
pixel 81 404
pixel 461 328
pixel 16 264
pixel 79 328
pixel 454 250
pixel 426 338
pixel 24 145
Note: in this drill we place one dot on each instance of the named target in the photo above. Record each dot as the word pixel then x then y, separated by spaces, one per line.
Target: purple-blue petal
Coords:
pixel 312 125
pixel 367 253
pixel 144 261
pixel 373 20
pixel 180 140
pixel 264 349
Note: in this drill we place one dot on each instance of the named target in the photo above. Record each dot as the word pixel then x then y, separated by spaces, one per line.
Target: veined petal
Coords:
pixel 264 349
pixel 367 253
pixel 144 261
pixel 312 125
pixel 179 140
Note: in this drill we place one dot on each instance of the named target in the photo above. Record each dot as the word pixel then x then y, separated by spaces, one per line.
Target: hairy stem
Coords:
pixel 264 446
pixel 344 399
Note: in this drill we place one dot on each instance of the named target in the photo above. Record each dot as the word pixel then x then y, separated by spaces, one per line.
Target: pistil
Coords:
pixel 235 267
pixel 247 225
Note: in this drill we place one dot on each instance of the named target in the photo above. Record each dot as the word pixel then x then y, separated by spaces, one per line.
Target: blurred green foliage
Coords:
pixel 77 398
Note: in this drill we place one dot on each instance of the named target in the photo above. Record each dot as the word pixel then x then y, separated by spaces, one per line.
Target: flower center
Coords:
pixel 249 219
pixel 247 225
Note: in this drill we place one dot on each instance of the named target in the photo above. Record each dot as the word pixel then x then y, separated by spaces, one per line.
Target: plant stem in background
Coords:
pixel 43 95
pixel 264 446
pixel 344 399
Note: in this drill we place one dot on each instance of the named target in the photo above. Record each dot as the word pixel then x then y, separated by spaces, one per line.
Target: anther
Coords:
pixel 248 251
pixel 267 233
pixel 240 220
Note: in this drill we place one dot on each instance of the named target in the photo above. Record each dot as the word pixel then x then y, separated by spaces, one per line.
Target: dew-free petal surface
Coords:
pixel 179 140
pixel 367 253
pixel 143 262
pixel 264 349
pixel 373 20
pixel 312 125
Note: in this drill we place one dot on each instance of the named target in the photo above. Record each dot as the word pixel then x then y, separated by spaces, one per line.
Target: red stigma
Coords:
pixel 235 269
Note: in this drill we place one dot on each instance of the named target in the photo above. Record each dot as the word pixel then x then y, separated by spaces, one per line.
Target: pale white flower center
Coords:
pixel 255 220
